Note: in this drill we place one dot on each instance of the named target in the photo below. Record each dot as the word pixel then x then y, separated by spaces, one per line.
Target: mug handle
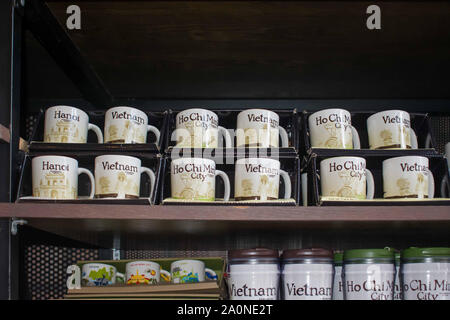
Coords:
pixel 304 182
pixel 120 276
pixel 355 138
pixel 210 274
pixel 155 131
pixel 165 275
pixel 428 141
pixel 430 184
pixel 370 185
pixel 97 131
pixel 151 176
pixel 226 136
pixel 444 185
pixel 91 178
pixel 287 184
pixel 284 137
pixel 413 135
pixel 226 181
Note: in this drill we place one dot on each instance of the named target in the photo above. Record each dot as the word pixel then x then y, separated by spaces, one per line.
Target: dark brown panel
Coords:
pixel 262 49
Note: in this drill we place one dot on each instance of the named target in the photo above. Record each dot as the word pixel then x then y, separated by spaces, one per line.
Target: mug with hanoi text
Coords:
pixel 68 125
pixel 260 128
pixel 56 177
pixel 127 125
pixel 332 128
pixel 119 177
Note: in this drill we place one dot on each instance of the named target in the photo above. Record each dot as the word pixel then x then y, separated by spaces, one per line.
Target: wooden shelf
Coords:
pixel 217 226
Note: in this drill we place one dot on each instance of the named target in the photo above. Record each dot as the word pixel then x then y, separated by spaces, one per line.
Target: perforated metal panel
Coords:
pixel 147 254
pixel 441 131
pixel 45 268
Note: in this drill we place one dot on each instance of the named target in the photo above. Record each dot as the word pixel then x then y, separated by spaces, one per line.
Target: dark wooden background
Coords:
pixel 254 50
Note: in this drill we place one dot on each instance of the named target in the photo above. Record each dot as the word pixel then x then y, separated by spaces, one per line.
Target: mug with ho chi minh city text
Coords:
pixel 346 177
pixel 56 177
pixel 127 125
pixel 119 177
pixel 195 179
pixel 259 179
pixel 391 130
pixel 332 128
pixel 260 128
pixel 407 177
pixel 67 124
pixel 199 128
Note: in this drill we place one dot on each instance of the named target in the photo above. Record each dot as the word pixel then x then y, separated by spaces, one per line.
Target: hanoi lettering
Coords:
pixel 66 116
pixel 47 165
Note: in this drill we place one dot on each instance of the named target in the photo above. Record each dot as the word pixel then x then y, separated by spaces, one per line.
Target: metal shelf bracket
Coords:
pixel 15 223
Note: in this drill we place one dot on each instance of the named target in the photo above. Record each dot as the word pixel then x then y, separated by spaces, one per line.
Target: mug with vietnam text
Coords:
pixel 391 130
pixel 332 128
pixel 259 179
pixel 407 177
pixel 199 128
pixel 346 177
pixel 260 128
pixel 145 272
pixel 190 271
pixel 195 179
pixel 68 125
pixel 56 177
pixel 119 177
pixel 127 125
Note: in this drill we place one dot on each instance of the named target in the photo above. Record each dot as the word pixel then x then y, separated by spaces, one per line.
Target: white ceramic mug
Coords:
pixel 391 130
pixel 260 128
pixel 195 179
pixel 127 125
pixel 259 179
pixel 119 177
pixel 346 177
pixel 332 128
pixel 68 125
pixel 56 177
pixel 99 274
pixel 145 272
pixel 407 177
pixel 199 128
pixel 190 271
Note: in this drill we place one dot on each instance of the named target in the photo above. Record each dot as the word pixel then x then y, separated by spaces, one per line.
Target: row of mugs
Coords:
pixel 116 176
pixel 146 272
pixel 391 129
pixel 255 179
pixel 403 177
pixel 68 124
pixel 119 176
